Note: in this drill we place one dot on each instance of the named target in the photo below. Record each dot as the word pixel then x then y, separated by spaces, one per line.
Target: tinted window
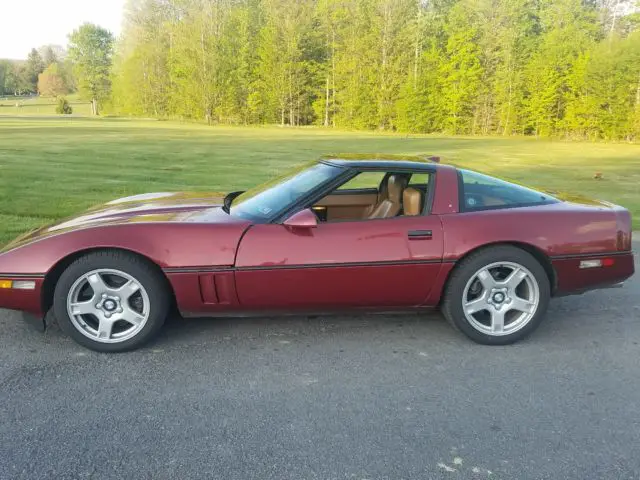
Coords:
pixel 481 192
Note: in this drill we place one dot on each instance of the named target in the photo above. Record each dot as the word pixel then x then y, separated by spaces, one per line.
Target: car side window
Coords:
pixel 364 180
pixel 419 180
pixel 481 192
pixel 375 196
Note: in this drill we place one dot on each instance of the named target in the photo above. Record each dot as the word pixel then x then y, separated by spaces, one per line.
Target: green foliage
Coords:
pixel 91 50
pixel 33 68
pixel 52 82
pixel 541 67
pixel 5 69
pixel 63 107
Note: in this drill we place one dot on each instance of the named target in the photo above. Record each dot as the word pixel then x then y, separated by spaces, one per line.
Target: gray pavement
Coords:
pixel 352 397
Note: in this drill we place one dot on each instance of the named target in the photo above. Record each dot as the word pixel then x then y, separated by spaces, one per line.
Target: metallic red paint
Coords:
pixel 24 300
pixel 166 244
pixel 571 278
pixel 337 287
pixel 273 263
pixel 556 229
pixel 304 219
pixel 217 263
pixel 446 199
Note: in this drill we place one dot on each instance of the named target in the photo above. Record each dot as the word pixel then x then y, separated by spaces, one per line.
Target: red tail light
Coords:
pixel 597 263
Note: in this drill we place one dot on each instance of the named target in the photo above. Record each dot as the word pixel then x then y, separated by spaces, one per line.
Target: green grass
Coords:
pixel 52 168
pixel 29 106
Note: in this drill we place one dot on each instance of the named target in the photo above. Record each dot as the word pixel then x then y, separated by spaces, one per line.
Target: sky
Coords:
pixel 31 24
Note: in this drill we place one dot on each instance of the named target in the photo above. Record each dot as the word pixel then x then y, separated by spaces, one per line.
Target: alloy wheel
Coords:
pixel 501 298
pixel 108 306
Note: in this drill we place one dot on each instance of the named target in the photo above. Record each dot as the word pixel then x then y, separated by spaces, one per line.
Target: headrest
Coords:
pixel 395 185
pixel 412 201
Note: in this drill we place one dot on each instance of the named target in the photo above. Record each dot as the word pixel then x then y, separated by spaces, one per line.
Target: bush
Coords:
pixel 63 107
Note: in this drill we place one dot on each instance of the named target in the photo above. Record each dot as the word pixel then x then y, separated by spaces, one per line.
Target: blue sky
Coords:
pixel 30 24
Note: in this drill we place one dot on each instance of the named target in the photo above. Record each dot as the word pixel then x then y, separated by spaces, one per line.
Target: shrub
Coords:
pixel 63 107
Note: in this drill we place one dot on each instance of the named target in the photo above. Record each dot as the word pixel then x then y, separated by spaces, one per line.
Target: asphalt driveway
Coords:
pixel 358 397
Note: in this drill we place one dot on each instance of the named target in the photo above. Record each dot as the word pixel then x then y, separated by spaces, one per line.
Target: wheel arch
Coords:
pixel 534 251
pixel 53 275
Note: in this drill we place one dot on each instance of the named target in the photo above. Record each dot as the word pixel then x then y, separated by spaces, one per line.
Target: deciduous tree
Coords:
pixel 91 50
pixel 51 82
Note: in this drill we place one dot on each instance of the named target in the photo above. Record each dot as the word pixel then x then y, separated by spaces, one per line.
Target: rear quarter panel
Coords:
pixel 564 232
pixel 558 230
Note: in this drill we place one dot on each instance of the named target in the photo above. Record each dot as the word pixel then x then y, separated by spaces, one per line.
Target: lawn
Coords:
pixel 54 167
pixel 40 105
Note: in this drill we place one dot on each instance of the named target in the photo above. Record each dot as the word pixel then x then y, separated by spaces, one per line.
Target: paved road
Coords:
pixel 331 398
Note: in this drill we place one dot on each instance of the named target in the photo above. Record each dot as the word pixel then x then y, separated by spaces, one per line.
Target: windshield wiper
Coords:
pixel 228 200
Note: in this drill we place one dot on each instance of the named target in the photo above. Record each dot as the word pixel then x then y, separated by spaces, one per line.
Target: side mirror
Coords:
pixel 303 219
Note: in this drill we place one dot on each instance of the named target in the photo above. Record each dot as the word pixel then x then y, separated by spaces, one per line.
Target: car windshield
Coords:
pixel 266 200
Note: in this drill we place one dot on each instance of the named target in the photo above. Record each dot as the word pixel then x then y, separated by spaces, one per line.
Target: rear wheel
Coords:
pixel 111 301
pixel 497 296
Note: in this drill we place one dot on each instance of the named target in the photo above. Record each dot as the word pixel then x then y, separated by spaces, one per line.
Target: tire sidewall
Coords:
pixel 455 292
pixel 152 282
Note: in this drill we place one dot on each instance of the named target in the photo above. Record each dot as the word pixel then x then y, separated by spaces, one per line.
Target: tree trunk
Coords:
pixel 333 77
pixel 614 17
pixel 418 48
pixel 94 106
pixel 326 104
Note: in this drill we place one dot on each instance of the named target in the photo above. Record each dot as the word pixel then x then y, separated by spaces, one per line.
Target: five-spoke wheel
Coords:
pixel 108 305
pixel 497 295
pixel 501 298
pixel 111 301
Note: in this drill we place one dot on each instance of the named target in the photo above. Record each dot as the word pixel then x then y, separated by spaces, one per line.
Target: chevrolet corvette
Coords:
pixel 344 233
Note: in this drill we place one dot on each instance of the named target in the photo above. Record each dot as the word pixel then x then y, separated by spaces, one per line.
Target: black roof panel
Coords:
pixel 380 160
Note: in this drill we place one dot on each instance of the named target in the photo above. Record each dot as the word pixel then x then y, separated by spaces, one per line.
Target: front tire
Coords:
pixel 497 296
pixel 111 301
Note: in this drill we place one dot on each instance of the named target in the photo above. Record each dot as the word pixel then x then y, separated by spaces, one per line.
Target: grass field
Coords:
pixel 51 168
pixel 40 106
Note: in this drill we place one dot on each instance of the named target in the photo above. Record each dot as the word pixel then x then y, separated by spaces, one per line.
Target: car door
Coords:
pixel 379 263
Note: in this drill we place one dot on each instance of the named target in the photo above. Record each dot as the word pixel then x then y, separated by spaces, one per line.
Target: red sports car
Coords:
pixel 347 232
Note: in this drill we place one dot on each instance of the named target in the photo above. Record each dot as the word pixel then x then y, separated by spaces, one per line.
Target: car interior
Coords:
pixel 397 194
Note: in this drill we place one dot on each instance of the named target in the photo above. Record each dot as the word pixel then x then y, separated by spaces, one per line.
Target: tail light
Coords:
pixel 623 236
pixel 597 263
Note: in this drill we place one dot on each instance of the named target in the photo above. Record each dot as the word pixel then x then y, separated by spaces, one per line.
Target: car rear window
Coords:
pixel 482 192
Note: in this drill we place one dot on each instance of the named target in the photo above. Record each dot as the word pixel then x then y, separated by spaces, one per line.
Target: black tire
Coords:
pixel 145 273
pixel 452 304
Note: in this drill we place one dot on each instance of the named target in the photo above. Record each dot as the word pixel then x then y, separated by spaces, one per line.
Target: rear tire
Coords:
pixel 111 301
pixel 497 296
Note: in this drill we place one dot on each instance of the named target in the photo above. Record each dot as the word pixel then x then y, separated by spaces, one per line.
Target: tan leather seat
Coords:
pixel 390 204
pixel 412 201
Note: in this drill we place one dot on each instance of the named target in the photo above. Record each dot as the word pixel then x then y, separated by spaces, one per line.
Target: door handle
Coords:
pixel 420 234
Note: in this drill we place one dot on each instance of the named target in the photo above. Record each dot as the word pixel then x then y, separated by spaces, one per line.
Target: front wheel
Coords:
pixel 497 296
pixel 111 301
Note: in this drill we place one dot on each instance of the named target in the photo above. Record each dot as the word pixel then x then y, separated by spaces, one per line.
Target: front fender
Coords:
pixel 169 245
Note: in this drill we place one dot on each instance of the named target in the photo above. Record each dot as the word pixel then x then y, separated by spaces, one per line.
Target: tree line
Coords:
pixel 52 71
pixel 22 77
pixel 538 67
pixel 568 68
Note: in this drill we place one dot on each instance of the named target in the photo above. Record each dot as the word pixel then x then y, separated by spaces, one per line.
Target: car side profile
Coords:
pixel 344 233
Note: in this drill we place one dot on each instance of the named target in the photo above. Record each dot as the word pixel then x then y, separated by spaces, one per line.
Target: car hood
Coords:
pixel 151 207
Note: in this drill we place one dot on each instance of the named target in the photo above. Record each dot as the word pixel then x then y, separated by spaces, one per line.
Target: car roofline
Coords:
pixel 380 164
